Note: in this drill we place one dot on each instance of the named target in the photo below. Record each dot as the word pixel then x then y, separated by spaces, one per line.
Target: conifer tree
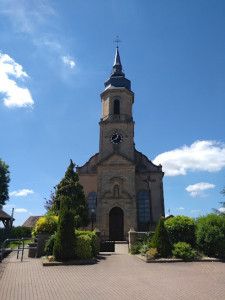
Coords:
pixel 70 187
pixel 161 239
pixel 64 246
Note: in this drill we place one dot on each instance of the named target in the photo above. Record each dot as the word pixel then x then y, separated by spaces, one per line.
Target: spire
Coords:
pixel 117 77
pixel 117 67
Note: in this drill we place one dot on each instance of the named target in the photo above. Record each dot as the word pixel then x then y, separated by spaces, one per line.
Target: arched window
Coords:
pixel 92 201
pixel 143 211
pixel 116 110
pixel 116 191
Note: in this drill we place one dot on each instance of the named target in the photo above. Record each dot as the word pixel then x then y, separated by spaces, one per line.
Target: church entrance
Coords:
pixel 116 222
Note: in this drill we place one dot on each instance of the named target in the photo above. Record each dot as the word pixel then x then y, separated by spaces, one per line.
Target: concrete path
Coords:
pixel 115 276
pixel 121 247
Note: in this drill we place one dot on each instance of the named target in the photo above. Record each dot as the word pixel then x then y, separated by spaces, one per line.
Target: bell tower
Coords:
pixel 117 125
pixel 116 210
pixel 123 188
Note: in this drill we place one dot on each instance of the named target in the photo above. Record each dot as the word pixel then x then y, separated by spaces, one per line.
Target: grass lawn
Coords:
pixel 14 244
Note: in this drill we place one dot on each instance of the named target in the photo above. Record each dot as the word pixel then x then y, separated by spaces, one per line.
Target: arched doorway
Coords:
pixel 116 224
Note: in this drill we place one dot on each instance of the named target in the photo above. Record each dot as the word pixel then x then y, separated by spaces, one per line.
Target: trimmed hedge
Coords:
pixel 21 232
pixel 83 247
pixel 5 233
pixel 93 236
pixel 181 229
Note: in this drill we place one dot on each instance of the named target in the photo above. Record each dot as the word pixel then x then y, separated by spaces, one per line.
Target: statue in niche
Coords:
pixel 116 190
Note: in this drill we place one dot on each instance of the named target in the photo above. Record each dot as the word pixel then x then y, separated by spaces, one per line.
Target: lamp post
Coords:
pixel 92 218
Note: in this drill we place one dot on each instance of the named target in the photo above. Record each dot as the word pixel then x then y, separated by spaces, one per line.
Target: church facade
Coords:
pixel 123 188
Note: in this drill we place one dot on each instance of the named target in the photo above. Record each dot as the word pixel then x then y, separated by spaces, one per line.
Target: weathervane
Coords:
pixel 117 40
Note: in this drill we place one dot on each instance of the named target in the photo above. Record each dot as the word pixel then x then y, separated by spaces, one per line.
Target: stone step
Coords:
pixel 121 247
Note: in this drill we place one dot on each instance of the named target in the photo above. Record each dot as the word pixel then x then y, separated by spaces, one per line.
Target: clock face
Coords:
pixel 116 138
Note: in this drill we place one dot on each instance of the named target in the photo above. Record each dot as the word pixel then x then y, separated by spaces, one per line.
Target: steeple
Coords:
pixel 117 77
pixel 117 67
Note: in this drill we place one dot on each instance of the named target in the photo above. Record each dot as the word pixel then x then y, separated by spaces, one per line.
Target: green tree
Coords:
pixel 64 246
pixel 161 240
pixel 211 235
pixel 4 183
pixel 70 187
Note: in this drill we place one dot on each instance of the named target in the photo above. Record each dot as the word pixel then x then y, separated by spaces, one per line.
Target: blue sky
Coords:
pixel 54 59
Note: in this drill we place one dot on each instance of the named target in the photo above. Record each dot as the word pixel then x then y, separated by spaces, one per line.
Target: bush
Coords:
pixel 83 247
pixel 181 229
pixel 152 252
pixel 64 246
pixel 93 236
pixel 135 249
pixel 143 249
pixel 50 244
pixel 21 232
pixel 211 235
pixel 46 224
pixel 161 240
pixel 183 250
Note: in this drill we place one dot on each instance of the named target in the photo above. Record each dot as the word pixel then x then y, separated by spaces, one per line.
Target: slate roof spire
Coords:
pixel 117 77
pixel 117 67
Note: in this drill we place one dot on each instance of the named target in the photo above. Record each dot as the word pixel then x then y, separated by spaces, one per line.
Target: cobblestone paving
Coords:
pixel 116 276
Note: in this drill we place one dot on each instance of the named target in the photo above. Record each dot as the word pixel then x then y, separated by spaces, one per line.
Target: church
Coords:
pixel 123 188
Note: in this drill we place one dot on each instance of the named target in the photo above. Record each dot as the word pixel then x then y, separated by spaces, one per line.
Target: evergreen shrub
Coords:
pixel 93 236
pixel 183 250
pixel 83 247
pixel 181 229
pixel 211 235
pixel 64 246
pixel 70 187
pixel 161 240
pixel 50 244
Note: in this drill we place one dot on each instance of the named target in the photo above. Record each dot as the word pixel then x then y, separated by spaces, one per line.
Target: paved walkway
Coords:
pixel 116 276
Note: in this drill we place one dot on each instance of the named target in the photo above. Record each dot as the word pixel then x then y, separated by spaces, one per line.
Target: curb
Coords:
pixel 47 263
pixel 177 260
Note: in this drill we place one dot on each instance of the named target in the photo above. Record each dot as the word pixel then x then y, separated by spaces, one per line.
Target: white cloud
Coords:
pixel 180 208
pixel 8 206
pixel 23 192
pixel 27 15
pixel 200 156
pixel 194 211
pixel 222 209
pixel 68 61
pixel 14 96
pixel 199 188
pixel 21 210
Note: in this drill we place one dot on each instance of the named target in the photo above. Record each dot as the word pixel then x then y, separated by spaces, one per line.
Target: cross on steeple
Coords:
pixel 117 41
